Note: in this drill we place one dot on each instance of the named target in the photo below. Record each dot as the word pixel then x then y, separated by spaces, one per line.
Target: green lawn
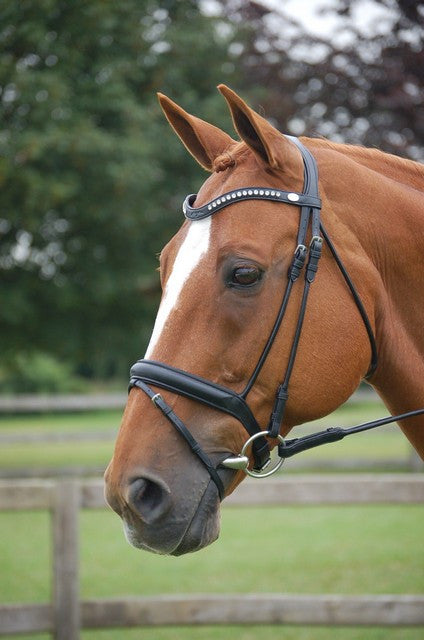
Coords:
pixel 384 443
pixel 347 550
pixel 110 419
pixel 27 455
pixel 63 454
pixel 56 422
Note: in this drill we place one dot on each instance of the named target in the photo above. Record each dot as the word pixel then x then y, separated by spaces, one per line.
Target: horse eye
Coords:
pixel 246 275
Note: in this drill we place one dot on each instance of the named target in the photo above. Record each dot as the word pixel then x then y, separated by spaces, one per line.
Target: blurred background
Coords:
pixel 91 185
pixel 92 178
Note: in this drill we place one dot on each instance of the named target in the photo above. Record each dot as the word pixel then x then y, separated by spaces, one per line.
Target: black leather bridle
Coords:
pixel 305 260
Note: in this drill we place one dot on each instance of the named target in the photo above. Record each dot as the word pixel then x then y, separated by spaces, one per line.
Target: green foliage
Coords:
pixel 87 166
pixel 38 373
pixel 359 81
pixel 91 177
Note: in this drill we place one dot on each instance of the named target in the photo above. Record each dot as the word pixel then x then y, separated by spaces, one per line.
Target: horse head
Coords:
pixel 223 279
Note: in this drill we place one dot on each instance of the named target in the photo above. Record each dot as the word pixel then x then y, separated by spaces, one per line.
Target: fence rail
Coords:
pixel 229 609
pixel 34 403
pixel 66 614
pixel 29 403
pixel 39 403
pixel 361 488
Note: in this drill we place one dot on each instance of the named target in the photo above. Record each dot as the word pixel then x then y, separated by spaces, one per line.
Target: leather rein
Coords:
pixel 305 260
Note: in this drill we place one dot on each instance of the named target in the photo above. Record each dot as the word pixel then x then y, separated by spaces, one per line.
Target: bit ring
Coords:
pixel 258 474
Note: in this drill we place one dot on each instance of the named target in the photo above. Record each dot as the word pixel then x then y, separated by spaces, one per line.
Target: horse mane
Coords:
pixel 222 162
pixel 229 158
pixel 402 170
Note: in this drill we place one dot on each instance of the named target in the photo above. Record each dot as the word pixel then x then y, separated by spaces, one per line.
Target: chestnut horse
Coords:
pixel 223 278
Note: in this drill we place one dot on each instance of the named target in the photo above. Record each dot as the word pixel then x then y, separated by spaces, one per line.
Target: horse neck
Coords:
pixel 374 205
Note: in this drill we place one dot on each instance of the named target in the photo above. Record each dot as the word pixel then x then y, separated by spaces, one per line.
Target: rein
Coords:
pixel 305 259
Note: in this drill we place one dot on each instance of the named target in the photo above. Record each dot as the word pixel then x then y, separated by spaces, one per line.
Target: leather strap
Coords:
pixel 358 301
pixel 184 432
pixel 247 193
pixel 291 447
pixel 202 390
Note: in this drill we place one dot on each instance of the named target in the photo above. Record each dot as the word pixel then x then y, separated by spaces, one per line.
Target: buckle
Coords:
pixel 298 262
pixel 156 399
pixel 315 239
pixel 300 250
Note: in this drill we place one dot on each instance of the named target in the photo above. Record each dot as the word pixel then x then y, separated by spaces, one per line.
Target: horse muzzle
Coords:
pixel 165 521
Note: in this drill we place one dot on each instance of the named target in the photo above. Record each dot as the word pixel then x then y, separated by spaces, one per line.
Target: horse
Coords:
pixel 223 278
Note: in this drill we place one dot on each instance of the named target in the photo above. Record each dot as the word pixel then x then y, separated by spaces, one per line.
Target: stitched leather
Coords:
pixel 185 433
pixel 246 193
pixel 204 391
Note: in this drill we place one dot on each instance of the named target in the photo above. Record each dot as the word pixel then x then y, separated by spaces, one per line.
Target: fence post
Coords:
pixel 66 607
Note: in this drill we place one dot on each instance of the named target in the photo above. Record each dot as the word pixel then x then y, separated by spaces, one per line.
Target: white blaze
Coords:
pixel 195 245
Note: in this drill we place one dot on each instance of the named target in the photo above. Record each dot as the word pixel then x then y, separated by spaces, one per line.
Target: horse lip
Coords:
pixel 196 537
pixel 190 541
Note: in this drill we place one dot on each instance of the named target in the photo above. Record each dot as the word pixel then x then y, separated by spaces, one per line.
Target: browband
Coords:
pixel 247 193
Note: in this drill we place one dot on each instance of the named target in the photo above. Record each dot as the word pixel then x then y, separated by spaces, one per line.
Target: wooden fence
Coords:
pixel 406 462
pixel 41 403
pixel 66 615
pixel 35 403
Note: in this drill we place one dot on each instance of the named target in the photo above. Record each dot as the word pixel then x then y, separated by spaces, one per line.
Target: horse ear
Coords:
pixel 264 139
pixel 204 141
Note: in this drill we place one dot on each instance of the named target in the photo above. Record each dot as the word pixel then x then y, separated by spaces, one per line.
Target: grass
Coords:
pixel 110 419
pixel 61 422
pixel 257 633
pixel 31 455
pixel 251 632
pixel 348 550
pixel 63 454
pixel 354 550
pixel 385 443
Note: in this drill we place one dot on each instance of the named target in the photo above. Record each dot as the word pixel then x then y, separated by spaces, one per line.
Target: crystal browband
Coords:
pixel 247 193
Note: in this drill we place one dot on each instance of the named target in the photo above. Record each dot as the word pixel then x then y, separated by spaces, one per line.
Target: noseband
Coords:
pixel 305 260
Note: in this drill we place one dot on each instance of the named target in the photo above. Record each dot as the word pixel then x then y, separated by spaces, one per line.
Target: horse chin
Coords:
pixel 175 537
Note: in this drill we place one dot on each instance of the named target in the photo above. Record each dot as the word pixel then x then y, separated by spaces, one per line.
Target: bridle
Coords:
pixel 305 260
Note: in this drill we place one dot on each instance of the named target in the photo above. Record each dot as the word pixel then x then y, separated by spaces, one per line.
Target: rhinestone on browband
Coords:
pixel 250 193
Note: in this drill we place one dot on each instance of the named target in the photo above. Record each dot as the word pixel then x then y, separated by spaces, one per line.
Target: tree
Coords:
pixel 359 86
pixel 87 166
pixel 91 178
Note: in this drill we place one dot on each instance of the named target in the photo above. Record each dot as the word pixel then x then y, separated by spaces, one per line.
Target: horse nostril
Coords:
pixel 150 499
